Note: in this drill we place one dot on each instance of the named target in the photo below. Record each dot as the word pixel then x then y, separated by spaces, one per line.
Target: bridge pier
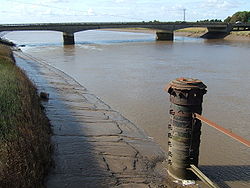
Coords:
pixel 68 38
pixel 165 36
pixel 217 33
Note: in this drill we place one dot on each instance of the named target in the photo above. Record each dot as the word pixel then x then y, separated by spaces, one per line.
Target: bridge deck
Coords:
pixel 216 29
pixel 75 27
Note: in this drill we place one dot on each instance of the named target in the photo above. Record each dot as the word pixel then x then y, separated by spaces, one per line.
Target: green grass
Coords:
pixel 241 33
pixel 198 30
pixel 9 100
pixel 24 129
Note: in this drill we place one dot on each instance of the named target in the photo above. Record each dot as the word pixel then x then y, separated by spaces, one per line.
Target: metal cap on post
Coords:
pixel 186 96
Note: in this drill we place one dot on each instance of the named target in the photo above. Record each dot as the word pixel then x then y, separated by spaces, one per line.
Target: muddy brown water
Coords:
pixel 129 71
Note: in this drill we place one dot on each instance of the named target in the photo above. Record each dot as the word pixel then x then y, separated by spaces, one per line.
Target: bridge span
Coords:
pixel 164 30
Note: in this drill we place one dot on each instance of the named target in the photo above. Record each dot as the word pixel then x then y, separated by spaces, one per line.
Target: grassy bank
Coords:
pixel 197 32
pixel 189 32
pixel 24 129
pixel 6 42
pixel 241 33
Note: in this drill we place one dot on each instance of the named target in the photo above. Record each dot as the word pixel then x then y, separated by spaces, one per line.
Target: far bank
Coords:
pixel 190 32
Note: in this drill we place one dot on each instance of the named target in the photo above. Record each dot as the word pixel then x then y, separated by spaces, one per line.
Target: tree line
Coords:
pixel 241 16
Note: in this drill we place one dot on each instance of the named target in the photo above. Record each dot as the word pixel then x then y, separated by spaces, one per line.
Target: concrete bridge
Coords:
pixel 164 30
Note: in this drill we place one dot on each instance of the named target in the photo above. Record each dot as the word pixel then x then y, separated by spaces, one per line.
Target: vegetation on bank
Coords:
pixel 242 16
pixel 6 42
pixel 24 129
pixel 241 33
pixel 200 31
pixel 207 20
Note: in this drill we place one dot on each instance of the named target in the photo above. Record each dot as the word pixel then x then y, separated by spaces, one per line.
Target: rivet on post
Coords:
pixel 186 96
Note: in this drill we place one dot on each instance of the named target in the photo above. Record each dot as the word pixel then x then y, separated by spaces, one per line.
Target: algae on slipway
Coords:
pixel 24 128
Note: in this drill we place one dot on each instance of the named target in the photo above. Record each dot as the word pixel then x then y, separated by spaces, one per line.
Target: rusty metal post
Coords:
pixel 186 96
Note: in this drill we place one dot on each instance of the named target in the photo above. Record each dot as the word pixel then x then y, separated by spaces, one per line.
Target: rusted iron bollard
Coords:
pixel 186 96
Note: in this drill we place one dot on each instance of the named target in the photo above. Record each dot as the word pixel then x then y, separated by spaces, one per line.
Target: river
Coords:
pixel 129 70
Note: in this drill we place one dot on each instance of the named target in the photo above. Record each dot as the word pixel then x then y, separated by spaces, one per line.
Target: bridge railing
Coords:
pixel 123 23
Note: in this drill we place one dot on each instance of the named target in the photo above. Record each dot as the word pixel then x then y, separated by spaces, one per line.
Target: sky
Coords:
pixel 58 11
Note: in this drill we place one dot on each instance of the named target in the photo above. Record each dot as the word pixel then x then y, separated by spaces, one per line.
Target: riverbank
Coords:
pixel 24 128
pixel 198 32
pixel 6 42
pixel 95 146
pixel 149 66
pixel 87 134
pixel 191 32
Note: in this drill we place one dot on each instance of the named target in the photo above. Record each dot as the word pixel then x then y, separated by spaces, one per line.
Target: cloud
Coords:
pixel 219 4
pixel 36 11
pixel 124 1
pixel 90 12
pixel 52 1
pixel 42 8
pixel 119 1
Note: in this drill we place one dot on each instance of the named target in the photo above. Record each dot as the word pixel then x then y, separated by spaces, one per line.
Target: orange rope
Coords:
pixel 223 130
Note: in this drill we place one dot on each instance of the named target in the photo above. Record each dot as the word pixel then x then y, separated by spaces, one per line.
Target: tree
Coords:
pixel 242 16
pixel 227 20
pixel 213 20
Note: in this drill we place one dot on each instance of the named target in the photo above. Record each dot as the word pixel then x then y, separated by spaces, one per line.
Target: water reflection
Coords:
pixel 69 50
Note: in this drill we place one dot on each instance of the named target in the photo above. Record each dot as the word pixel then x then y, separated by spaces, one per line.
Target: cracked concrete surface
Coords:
pixel 94 146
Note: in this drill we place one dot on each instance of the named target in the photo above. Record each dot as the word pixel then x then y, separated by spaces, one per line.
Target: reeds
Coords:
pixel 24 129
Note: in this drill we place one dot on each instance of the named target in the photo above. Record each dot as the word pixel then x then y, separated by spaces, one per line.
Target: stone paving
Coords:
pixel 94 146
